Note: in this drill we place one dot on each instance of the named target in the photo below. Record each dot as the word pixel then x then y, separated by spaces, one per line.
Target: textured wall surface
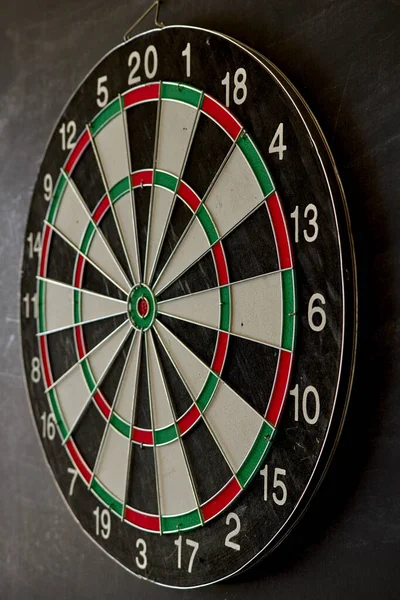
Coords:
pixel 344 57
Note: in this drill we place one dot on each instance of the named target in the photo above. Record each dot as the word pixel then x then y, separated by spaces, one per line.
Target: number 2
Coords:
pixel 235 531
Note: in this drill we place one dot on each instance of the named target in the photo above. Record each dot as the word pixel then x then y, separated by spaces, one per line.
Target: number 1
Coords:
pixel 186 54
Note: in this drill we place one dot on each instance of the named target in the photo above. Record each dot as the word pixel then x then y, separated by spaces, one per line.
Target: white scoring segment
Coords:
pixel 126 395
pixel 101 255
pixel 175 129
pixel 234 424
pixel 257 309
pixel 94 306
pixel 161 408
pixel 72 393
pixel 193 245
pixel 174 133
pixel 59 306
pixel 235 193
pixel 100 358
pixel 162 203
pixel 72 389
pixel 113 463
pixel 111 147
pixel 72 219
pixel 201 308
pixel 176 493
pixel 125 216
pixel 191 368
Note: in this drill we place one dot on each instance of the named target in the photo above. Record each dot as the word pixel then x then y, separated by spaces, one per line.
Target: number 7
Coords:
pixel 74 473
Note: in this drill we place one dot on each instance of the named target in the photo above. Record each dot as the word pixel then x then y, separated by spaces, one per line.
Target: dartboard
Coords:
pixel 188 305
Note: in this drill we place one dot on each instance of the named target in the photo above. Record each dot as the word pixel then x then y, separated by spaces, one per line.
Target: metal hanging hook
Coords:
pixel 157 23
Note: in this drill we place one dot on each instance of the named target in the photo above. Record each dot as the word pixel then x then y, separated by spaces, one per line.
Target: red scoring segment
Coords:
pixel 276 402
pixel 222 116
pixel 281 234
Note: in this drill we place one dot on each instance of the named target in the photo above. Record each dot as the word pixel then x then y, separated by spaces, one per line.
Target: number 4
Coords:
pixel 277 144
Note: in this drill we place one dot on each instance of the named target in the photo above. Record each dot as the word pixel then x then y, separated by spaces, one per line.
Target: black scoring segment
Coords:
pixel 250 371
pixel 180 218
pixel 95 281
pixel 61 346
pixel 108 225
pixel 87 178
pixel 142 412
pixel 201 276
pixel 142 487
pixel 209 149
pixel 88 434
pixel 200 340
pixel 93 334
pixel 141 123
pixel 208 467
pixel 249 254
pixel 63 254
pixel 142 203
pixel 178 393
pixel 109 385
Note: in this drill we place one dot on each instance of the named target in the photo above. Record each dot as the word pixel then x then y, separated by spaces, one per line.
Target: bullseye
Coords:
pixel 141 307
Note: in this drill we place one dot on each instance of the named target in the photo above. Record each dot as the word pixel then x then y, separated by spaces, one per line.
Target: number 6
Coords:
pixel 316 310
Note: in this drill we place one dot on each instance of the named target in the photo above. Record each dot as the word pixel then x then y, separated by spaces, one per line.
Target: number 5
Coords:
pixel 102 91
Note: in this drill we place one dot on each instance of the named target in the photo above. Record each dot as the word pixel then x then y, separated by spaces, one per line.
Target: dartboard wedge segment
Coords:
pixel 188 306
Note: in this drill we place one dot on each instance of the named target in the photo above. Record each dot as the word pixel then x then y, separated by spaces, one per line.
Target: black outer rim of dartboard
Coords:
pixel 350 310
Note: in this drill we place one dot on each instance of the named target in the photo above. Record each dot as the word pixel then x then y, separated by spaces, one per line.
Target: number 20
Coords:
pixel 150 64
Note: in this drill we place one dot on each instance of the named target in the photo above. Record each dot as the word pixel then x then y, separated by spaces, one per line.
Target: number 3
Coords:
pixel 141 560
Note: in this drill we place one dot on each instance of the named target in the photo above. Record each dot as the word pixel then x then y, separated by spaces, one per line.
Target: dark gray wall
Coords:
pixel 344 56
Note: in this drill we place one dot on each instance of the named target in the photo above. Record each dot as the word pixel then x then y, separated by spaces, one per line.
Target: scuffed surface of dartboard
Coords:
pixel 350 83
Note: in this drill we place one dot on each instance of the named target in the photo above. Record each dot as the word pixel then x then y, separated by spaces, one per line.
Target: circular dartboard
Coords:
pixel 188 306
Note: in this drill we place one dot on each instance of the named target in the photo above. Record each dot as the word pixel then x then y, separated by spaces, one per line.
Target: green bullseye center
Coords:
pixel 142 307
